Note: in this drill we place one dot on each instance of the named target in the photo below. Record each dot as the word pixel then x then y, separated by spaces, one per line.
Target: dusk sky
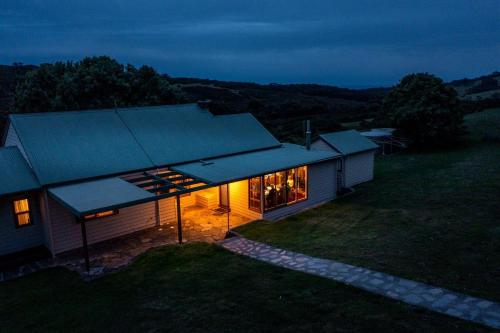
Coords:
pixel 345 43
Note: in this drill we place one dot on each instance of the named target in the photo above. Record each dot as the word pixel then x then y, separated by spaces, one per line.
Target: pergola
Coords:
pixel 118 192
pixel 167 184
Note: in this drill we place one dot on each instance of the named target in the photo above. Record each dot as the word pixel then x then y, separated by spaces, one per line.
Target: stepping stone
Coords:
pixel 376 282
pixel 412 292
pixel 413 299
pixel 484 304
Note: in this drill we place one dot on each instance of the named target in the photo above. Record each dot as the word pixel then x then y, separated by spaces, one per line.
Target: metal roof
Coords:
pixel 348 142
pixel 15 173
pixel 170 137
pixel 378 132
pixel 67 146
pixel 78 145
pixel 99 195
pixel 113 193
pixel 251 164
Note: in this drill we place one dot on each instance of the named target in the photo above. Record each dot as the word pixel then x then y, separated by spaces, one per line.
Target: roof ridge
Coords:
pixel 68 112
pixel 135 138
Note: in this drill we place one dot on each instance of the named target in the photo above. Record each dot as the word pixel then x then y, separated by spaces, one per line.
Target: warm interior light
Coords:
pixel 101 214
pixel 22 212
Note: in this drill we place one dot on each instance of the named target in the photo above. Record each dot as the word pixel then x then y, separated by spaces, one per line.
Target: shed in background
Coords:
pixel 358 155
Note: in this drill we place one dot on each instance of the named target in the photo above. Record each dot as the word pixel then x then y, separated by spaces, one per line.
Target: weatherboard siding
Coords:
pixel 14 239
pixel 168 213
pixel 12 139
pixel 238 200
pixel 359 168
pixel 322 188
pixel 67 234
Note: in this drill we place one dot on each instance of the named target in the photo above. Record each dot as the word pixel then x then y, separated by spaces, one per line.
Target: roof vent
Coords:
pixel 203 162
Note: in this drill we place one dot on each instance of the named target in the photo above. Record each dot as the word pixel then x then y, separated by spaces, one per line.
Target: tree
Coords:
pixel 424 110
pixel 94 82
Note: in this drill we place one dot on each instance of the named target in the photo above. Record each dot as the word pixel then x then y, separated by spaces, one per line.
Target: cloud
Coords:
pixel 350 43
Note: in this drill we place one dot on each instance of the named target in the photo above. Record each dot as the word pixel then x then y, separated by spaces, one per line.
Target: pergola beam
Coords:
pixel 165 181
pixel 168 184
pixel 150 183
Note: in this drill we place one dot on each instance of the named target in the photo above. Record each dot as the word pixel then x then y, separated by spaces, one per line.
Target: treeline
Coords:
pixel 102 82
pixel 92 83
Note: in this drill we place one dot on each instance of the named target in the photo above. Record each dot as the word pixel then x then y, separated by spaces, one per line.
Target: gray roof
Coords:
pixel 348 142
pixel 170 137
pixel 78 145
pixel 99 195
pixel 67 146
pixel 16 175
pixel 242 166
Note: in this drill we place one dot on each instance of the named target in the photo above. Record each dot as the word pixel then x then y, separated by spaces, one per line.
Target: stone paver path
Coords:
pixel 199 225
pixel 433 298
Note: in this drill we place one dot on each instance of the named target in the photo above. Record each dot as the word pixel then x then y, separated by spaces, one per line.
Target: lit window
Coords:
pixel 301 183
pixel 254 192
pixel 285 187
pixel 22 212
pixel 101 214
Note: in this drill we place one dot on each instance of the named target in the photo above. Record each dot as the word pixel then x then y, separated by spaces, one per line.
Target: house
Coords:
pixel 70 179
pixel 357 152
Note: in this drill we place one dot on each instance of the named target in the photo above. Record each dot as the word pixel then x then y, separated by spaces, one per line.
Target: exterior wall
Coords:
pixel 14 239
pixel 66 232
pixel 47 235
pixel 238 200
pixel 321 188
pixel 190 200
pixel 12 139
pixel 168 211
pixel 359 168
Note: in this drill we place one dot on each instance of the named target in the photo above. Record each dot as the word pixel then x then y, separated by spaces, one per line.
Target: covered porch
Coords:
pixel 187 209
pixel 200 201
pixel 207 215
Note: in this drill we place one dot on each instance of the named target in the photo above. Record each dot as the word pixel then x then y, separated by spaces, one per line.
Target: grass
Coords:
pixel 199 287
pixel 431 217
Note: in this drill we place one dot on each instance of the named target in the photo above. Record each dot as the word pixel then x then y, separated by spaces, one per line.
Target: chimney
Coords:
pixel 308 134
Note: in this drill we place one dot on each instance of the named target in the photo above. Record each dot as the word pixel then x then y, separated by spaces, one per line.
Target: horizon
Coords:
pixel 357 46
pixel 352 87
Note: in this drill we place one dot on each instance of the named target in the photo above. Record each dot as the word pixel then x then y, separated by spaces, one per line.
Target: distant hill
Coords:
pixel 487 86
pixel 283 107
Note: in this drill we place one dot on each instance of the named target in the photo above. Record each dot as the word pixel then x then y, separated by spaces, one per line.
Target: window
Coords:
pixel 254 193
pixel 301 183
pixel 22 213
pixel 101 214
pixel 280 188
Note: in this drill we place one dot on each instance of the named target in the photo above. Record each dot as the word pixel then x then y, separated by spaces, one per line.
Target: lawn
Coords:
pixel 202 288
pixel 432 217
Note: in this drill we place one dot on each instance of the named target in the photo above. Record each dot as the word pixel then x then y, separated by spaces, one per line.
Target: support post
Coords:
pixel 179 218
pixel 228 207
pixel 157 209
pixel 157 213
pixel 85 244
